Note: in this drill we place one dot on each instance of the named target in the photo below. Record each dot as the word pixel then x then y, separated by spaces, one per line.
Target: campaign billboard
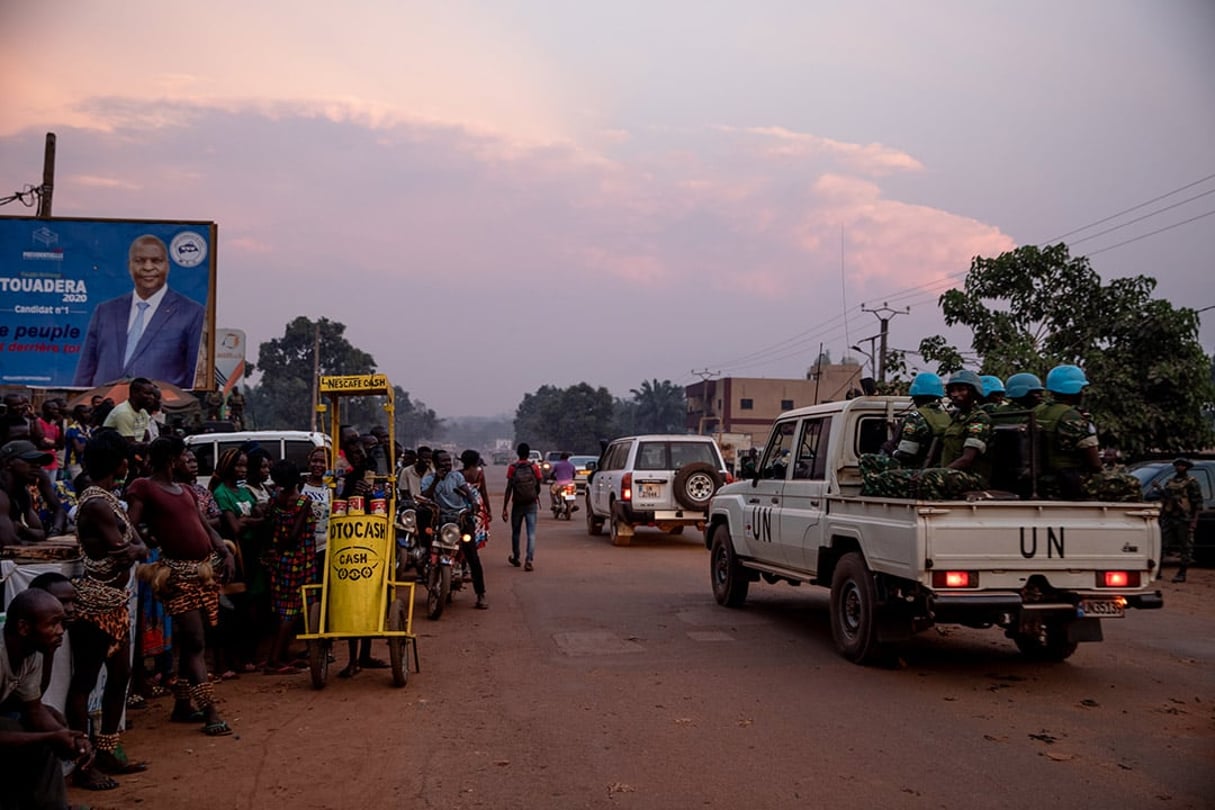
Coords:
pixel 85 302
pixel 229 359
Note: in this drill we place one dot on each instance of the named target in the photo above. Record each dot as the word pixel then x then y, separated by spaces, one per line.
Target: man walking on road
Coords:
pixel 523 487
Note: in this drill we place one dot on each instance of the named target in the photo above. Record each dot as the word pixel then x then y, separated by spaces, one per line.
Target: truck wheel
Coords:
pixel 695 484
pixel 854 610
pixel 594 525
pixel 618 537
pixel 730 582
pixel 1048 644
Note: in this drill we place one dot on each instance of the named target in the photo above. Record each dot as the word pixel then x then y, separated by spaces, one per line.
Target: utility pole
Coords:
pixel 884 314
pixel 705 375
pixel 48 177
pixel 316 370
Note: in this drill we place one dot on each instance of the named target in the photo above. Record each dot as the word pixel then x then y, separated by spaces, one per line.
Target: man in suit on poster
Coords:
pixel 150 332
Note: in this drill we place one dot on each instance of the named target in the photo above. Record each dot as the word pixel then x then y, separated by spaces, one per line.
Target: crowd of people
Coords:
pixel 216 570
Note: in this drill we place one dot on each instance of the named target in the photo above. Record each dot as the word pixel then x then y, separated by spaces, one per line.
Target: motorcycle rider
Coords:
pixel 563 473
pixel 449 489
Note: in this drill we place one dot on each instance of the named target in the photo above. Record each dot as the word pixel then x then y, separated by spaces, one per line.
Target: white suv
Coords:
pixel 658 480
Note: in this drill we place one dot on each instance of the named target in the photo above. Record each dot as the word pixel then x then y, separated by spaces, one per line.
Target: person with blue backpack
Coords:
pixel 523 489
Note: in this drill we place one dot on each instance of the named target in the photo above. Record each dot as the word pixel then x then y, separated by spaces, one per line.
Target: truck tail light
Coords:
pixel 955 579
pixel 729 478
pixel 1117 579
pixel 626 487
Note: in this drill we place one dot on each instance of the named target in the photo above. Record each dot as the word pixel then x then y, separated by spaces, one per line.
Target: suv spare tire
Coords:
pixel 695 485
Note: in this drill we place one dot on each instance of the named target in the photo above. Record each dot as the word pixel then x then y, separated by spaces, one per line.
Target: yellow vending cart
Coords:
pixel 358 595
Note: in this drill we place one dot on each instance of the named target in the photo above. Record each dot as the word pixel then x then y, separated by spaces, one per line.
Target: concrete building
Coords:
pixel 749 405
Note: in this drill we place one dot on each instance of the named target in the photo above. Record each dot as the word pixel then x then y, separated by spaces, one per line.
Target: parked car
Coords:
pixel 293 445
pixel 656 480
pixel 1153 474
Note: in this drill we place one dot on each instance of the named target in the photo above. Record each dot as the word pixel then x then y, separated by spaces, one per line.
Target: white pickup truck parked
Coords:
pixel 1047 572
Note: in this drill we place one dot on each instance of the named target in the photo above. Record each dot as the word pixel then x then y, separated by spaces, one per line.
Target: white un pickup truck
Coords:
pixel 1047 572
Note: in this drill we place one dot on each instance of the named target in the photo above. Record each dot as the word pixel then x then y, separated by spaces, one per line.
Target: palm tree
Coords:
pixel 660 407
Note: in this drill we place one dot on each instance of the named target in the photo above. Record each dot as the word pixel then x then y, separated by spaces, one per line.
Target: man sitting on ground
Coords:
pixel 32 741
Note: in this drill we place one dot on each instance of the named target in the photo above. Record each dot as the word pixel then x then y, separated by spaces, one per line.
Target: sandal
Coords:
pixel 158 691
pixel 219 728
pixel 90 779
pixel 190 716
pixel 136 701
pixel 116 763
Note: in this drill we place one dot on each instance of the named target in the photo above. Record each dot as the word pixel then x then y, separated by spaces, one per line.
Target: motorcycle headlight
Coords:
pixel 408 520
pixel 450 534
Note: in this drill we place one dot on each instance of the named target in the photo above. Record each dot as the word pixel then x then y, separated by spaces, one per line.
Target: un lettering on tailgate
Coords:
pixel 1010 542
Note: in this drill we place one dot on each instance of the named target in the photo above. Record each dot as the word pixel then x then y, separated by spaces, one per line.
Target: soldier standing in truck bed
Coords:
pixel 916 442
pixel 965 463
pixel 1071 457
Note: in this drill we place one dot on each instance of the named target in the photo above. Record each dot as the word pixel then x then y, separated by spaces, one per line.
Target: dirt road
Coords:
pixel 608 677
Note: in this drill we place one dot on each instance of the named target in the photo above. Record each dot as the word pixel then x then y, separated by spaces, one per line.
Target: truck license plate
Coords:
pixel 650 491
pixel 1106 608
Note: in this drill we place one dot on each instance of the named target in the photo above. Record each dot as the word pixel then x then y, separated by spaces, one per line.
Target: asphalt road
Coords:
pixel 609 677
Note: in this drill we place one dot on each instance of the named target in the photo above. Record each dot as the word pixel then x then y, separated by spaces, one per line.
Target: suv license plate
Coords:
pixel 649 491
pixel 1106 608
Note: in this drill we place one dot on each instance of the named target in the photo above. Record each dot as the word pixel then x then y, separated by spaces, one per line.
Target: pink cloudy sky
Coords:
pixel 496 196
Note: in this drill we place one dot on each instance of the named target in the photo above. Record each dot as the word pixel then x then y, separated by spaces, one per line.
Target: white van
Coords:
pixel 293 445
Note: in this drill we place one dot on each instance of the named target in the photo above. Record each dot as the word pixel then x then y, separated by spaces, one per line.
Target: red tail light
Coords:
pixel 1117 579
pixel 569 489
pixel 955 579
pixel 626 487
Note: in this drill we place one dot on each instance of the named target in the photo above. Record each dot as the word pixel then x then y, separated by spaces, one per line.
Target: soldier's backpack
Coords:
pixel 1013 451
pixel 524 484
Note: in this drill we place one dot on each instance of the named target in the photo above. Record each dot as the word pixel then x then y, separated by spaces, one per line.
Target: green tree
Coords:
pixel 282 399
pixel 1030 309
pixel 660 407
pixel 573 418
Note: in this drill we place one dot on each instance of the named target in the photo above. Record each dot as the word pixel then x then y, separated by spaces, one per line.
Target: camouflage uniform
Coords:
pixel 969 429
pixel 1179 503
pixel 890 476
pixel 1066 436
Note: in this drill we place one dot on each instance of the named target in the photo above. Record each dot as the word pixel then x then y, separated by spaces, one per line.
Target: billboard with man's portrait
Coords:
pixel 86 302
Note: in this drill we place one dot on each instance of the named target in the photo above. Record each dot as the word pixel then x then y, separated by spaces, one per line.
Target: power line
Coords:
pixel 1145 216
pixel 1132 208
pixel 1153 233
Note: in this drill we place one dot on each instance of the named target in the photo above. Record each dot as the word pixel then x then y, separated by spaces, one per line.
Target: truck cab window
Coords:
pixel 779 452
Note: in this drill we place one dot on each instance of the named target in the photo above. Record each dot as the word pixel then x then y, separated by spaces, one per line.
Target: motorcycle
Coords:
pixel 446 564
pixel 413 538
pixel 564 500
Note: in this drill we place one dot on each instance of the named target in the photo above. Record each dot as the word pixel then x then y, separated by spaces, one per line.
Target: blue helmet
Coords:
pixel 1066 380
pixel 991 385
pixel 927 384
pixel 1019 385
pixel 965 377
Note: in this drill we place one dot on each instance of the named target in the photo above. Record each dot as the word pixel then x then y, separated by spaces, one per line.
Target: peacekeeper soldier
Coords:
pixel 965 466
pixel 1013 435
pixel 1024 391
pixel 993 393
pixel 1071 458
pixel 1180 503
pixel 916 442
